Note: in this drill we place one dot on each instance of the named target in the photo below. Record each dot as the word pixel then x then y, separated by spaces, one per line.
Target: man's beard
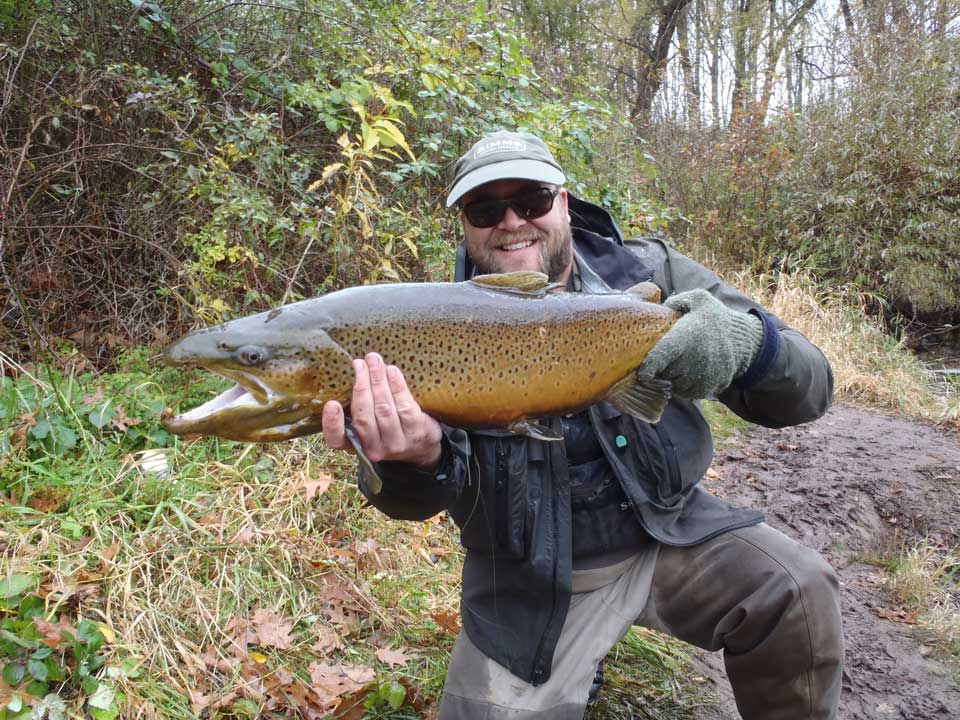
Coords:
pixel 556 252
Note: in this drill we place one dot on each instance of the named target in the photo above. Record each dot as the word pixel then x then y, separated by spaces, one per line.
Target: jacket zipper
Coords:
pixel 538 671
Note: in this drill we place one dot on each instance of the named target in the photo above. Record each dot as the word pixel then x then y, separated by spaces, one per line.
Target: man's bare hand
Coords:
pixel 388 421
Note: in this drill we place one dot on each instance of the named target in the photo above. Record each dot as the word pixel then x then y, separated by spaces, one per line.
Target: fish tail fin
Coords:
pixel 642 397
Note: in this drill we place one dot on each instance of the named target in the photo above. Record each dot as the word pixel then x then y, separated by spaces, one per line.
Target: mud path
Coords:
pixel 848 484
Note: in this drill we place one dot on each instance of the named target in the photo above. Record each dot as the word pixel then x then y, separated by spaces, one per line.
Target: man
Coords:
pixel 570 543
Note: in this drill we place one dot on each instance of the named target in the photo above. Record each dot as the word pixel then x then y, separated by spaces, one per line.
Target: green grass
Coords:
pixel 173 567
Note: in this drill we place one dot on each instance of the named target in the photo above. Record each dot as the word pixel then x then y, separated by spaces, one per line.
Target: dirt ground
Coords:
pixel 851 483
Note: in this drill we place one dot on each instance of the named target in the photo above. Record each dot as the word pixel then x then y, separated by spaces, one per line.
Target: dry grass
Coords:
pixel 924 579
pixel 871 368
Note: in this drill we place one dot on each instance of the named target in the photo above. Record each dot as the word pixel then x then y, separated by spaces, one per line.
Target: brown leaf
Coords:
pixel 448 621
pixel 272 630
pixel 48 500
pixel 53 633
pixel 242 537
pixel 393 657
pixel 122 421
pixel 898 615
pixel 338 680
pixel 309 488
pixel 95 398
pixel 327 640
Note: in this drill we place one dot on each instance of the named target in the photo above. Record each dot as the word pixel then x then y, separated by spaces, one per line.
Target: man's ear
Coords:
pixel 566 203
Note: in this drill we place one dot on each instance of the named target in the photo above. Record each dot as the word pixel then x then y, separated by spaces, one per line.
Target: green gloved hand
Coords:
pixel 707 349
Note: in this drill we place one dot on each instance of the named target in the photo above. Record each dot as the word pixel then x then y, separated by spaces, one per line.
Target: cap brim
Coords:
pixel 507 170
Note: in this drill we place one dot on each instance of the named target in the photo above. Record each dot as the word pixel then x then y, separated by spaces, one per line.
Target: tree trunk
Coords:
pixel 691 82
pixel 653 58
pixel 741 24
pixel 775 48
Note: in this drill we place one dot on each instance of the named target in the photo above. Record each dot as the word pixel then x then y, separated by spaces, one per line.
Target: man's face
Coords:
pixel 544 244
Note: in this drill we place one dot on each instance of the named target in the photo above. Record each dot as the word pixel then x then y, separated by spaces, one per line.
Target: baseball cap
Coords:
pixel 504 155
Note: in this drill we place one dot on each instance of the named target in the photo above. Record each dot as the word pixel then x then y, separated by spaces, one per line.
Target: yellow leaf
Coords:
pixel 412 245
pixel 390 135
pixel 344 141
pixel 370 137
pixel 330 170
pixel 218 305
pixel 107 632
pixel 257 657
pixel 428 81
pixel 474 50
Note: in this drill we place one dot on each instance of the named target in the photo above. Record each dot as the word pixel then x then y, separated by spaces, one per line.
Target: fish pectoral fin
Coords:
pixel 647 291
pixel 521 282
pixel 533 430
pixel 643 398
pixel 374 483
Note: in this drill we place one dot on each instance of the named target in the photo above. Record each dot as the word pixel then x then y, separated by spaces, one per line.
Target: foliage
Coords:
pixel 193 160
pixel 863 190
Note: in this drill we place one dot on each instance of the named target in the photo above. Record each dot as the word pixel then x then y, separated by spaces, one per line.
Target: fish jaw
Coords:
pixel 237 414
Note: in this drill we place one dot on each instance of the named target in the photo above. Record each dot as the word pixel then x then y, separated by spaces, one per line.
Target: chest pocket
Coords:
pixel 496 523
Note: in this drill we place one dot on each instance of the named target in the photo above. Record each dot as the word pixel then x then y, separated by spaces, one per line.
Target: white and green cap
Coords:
pixel 504 155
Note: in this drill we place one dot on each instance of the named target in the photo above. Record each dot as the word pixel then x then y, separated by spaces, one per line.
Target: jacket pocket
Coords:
pixel 493 522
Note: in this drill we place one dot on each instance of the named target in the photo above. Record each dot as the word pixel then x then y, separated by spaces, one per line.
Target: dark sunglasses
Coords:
pixel 527 204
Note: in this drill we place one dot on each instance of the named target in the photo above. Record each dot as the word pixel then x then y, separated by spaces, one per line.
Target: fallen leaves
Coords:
pixel 394 658
pixel 900 615
pixel 272 630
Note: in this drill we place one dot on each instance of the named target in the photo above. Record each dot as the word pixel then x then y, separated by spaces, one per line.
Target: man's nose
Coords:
pixel 511 221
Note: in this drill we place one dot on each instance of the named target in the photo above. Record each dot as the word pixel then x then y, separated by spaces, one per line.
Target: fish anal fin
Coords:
pixel 534 430
pixel 642 397
pixel 647 291
pixel 520 282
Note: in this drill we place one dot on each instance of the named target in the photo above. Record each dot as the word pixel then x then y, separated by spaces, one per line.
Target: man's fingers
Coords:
pixel 362 415
pixel 333 426
pixel 407 408
pixel 384 408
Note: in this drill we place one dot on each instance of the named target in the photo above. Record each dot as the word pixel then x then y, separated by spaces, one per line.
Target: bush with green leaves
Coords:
pixel 192 160
pixel 47 664
pixel 862 190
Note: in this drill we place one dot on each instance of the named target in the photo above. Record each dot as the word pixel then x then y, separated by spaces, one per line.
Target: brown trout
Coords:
pixel 497 351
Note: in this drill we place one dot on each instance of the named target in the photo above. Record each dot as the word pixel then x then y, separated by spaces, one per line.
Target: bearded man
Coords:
pixel 568 544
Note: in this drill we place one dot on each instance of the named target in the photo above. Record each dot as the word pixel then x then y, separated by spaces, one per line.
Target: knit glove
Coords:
pixel 707 349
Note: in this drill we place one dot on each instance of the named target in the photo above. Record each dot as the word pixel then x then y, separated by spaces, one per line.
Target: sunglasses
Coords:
pixel 527 204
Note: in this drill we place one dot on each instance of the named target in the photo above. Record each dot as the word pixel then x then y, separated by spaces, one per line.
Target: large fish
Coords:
pixel 497 351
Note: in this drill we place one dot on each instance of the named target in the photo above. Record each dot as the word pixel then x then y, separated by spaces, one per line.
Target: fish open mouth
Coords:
pixel 249 396
pixel 237 397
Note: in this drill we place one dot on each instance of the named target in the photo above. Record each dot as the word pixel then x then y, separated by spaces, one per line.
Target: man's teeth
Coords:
pixel 518 245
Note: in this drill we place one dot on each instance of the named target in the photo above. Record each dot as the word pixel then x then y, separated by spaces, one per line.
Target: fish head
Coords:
pixel 284 373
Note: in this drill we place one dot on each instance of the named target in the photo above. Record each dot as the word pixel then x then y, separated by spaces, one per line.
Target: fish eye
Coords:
pixel 251 355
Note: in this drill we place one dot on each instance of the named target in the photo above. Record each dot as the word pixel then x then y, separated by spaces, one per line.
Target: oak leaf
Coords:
pixel 272 630
pixel 393 657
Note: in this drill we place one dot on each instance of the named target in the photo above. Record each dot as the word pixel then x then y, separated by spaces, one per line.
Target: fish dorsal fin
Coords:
pixel 642 397
pixel 520 282
pixel 647 291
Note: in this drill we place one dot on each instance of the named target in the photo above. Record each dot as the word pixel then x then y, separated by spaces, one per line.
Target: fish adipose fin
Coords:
pixel 647 291
pixel 521 282
pixel 643 398
pixel 534 430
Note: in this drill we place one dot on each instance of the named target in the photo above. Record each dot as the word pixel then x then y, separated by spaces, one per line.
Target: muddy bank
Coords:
pixel 847 485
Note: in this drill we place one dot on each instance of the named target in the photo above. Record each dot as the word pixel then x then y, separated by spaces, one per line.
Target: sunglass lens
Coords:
pixel 485 213
pixel 533 204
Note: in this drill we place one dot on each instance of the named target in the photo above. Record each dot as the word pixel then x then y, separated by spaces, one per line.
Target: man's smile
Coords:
pixel 519 245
